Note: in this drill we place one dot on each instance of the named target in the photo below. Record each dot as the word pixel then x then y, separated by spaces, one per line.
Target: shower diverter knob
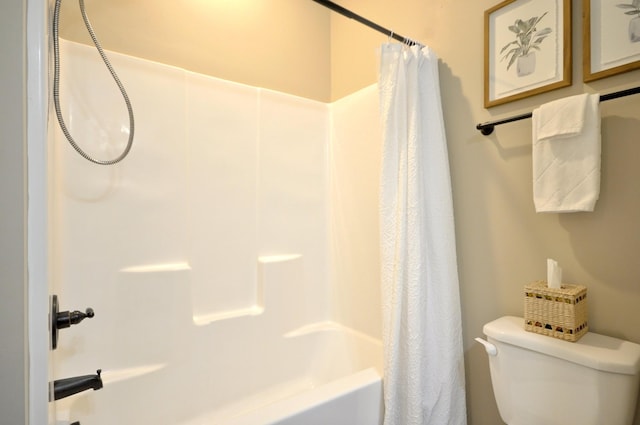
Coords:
pixel 64 319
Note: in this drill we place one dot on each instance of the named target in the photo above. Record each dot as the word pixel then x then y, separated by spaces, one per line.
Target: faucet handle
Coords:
pixel 64 319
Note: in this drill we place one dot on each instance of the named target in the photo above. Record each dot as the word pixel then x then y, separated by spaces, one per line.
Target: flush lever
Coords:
pixel 491 349
pixel 64 319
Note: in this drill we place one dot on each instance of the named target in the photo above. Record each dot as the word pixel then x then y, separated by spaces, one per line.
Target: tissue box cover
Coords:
pixel 560 313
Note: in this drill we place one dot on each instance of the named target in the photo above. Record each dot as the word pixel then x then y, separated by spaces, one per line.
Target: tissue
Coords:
pixel 554 274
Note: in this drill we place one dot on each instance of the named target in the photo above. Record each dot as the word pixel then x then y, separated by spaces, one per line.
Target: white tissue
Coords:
pixel 554 274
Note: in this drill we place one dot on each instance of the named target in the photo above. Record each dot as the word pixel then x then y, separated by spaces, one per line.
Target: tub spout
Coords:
pixel 66 387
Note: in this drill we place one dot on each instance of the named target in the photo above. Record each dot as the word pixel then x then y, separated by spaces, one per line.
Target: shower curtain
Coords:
pixel 423 356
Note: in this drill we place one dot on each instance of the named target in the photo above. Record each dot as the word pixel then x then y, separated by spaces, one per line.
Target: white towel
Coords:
pixel 561 118
pixel 566 154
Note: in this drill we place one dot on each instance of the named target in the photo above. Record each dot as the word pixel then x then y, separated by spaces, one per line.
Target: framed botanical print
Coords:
pixel 527 49
pixel 611 33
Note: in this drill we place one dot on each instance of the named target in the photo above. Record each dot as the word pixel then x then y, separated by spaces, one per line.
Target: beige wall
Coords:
pixel 502 242
pixel 248 41
pixel 13 308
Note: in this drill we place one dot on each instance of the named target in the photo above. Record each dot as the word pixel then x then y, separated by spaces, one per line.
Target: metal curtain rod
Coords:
pixel 349 14
pixel 488 127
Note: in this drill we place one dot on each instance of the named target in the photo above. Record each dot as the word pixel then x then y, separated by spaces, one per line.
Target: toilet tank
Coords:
pixel 540 380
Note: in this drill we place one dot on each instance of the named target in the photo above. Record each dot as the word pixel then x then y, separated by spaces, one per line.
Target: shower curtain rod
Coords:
pixel 488 127
pixel 349 14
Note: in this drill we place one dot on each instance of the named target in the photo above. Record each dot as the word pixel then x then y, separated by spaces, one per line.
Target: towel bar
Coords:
pixel 488 127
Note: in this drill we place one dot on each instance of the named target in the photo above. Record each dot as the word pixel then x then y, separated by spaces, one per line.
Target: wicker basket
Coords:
pixel 560 313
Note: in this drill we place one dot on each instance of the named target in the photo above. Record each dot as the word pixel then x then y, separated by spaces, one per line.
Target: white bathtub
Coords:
pixel 331 375
pixel 351 400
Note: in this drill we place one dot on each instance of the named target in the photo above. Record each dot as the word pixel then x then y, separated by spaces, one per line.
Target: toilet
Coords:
pixel 540 380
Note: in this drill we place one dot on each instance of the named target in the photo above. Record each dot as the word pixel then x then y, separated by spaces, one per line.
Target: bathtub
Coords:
pixel 331 375
pixel 351 400
pixel 339 389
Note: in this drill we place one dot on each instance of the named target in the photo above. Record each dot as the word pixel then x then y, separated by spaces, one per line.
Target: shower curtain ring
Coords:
pixel 390 37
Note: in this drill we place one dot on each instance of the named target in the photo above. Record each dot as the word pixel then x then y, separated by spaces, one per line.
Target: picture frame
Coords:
pixel 527 49
pixel 611 38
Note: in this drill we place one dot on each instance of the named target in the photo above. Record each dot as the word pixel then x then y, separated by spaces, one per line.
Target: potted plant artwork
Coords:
pixel 633 9
pixel 522 51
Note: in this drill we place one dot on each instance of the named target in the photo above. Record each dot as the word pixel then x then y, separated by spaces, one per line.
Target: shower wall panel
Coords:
pixel 119 241
pixel 354 160
pixel 218 253
pixel 220 175
pixel 222 135
pixel 292 189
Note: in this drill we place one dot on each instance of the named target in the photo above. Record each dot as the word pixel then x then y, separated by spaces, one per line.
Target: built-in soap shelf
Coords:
pixel 329 326
pixel 117 375
pixel 157 268
pixel 207 319
pixel 271 268
pixel 264 262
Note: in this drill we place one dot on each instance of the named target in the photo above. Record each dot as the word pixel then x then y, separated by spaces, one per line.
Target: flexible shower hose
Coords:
pixel 56 87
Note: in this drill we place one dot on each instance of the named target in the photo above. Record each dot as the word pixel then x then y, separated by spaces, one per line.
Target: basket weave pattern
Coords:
pixel 560 313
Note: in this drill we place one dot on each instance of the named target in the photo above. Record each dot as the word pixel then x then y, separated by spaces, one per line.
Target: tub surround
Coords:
pixel 207 254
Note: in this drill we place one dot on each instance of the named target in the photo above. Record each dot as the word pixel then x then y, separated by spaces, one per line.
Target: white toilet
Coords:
pixel 540 380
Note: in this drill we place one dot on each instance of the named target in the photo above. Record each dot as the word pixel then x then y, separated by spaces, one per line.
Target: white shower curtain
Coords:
pixel 423 364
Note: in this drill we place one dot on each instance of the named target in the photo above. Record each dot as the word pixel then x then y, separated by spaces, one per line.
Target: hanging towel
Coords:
pixel 422 338
pixel 566 154
pixel 562 118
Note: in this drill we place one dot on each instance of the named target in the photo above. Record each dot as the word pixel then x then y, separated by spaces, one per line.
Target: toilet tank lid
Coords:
pixel 592 350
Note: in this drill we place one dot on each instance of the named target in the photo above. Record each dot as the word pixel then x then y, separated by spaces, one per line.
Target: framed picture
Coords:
pixel 527 49
pixel 611 37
